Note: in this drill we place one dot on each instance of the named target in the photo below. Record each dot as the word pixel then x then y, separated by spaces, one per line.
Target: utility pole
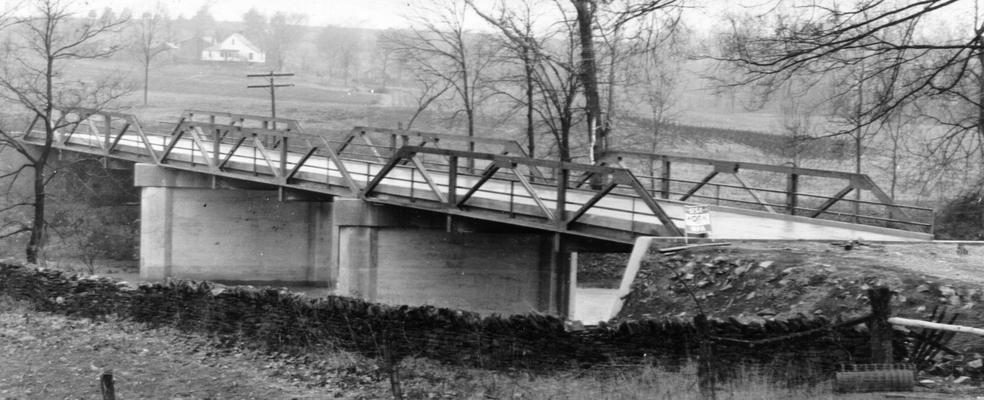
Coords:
pixel 273 90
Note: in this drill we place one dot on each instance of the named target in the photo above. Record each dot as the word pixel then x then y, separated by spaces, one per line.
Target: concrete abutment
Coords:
pixel 195 227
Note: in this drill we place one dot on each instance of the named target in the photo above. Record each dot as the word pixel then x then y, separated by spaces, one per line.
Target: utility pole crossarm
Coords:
pixel 272 85
pixel 267 86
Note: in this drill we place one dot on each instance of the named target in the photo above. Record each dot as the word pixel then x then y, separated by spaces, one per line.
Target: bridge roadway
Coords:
pixel 422 178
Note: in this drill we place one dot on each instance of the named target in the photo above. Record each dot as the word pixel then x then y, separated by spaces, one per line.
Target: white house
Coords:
pixel 234 48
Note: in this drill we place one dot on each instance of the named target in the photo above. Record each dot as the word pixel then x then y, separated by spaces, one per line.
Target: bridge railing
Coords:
pixel 774 188
pixel 379 144
pixel 105 133
pixel 559 206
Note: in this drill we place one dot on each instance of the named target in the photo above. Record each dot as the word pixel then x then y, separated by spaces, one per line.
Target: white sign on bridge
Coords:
pixel 697 220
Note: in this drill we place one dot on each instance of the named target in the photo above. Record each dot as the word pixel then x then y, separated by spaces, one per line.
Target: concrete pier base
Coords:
pixel 190 231
pixel 193 227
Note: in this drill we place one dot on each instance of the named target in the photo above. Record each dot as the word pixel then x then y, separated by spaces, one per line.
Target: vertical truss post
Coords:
pixel 452 190
pixel 393 142
pixel 107 137
pixel 563 175
pixel 283 156
pixel 216 150
pixel 665 180
pixel 452 181
pixel 792 189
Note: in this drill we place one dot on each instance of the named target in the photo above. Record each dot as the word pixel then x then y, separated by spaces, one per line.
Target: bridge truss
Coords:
pixel 492 179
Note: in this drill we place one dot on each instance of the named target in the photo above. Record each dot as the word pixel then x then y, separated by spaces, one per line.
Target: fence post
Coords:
pixel 106 385
pixel 705 370
pixel 878 326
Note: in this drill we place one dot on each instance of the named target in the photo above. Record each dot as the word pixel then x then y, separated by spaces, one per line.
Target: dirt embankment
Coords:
pixel 751 281
pixel 761 281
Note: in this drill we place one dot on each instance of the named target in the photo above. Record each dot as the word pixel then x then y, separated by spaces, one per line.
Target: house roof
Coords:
pixel 238 36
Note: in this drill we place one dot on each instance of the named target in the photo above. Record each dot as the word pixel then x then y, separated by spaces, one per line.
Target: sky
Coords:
pixel 375 14
pixel 381 14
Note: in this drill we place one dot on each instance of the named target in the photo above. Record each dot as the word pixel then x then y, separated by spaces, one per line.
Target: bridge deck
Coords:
pixel 476 184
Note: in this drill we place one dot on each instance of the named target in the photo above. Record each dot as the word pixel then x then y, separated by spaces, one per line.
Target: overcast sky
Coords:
pixel 379 14
pixel 351 13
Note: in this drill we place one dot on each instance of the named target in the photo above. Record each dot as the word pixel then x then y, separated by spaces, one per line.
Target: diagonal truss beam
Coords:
pixel 884 197
pixel 116 140
pixel 532 192
pixel 232 152
pixel 392 163
pixel 427 177
pixel 175 138
pixel 751 192
pixel 195 134
pixel 830 202
pixel 258 145
pixel 590 203
pixel 488 174
pixel 333 157
pixel 700 185
pixel 626 177
pixel 300 163
pixel 146 140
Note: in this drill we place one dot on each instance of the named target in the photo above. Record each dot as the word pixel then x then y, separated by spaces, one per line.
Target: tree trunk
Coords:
pixel 530 135
pixel 597 135
pixel 857 144
pixel 36 241
pixel 146 85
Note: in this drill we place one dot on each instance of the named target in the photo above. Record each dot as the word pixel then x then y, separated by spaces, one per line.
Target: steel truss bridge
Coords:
pixel 617 199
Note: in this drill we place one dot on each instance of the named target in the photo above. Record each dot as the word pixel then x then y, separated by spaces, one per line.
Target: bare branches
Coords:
pixel 440 47
pixel 430 91
pixel 874 46
pixel 153 38
pixel 32 76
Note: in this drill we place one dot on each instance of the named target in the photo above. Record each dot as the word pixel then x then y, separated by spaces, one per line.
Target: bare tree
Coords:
pixel 431 90
pixel 203 25
pixel 616 16
pixel 821 39
pixel 796 122
pixel 51 37
pixel 651 75
pixel 153 38
pixel 440 45
pixel 255 27
pixel 521 46
pixel 285 31
pixel 550 71
pixel 345 46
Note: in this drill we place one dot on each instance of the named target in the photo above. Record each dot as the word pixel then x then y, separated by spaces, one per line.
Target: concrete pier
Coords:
pixel 194 226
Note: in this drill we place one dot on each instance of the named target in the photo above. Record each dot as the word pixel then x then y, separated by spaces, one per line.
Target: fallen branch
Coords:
pixel 915 323
pixel 752 343
pixel 667 250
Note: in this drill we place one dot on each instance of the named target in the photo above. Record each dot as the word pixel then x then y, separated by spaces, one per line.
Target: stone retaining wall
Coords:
pixel 284 321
